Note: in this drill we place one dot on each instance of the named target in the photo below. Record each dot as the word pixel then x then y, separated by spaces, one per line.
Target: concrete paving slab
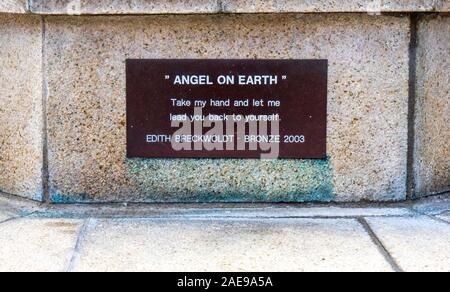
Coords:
pixel 416 244
pixel 228 245
pixel 230 6
pixel 5 211
pixel 433 205
pixel 13 207
pixel 292 212
pixel 5 215
pixel 445 216
pixel 213 211
pixel 37 245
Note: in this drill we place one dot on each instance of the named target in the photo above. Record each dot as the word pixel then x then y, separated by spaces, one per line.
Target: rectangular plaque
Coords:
pixel 226 108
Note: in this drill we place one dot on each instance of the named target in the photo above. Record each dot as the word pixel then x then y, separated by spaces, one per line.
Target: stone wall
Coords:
pixel 367 135
pixel 233 6
pixel 21 110
pixel 62 98
pixel 13 6
pixel 432 123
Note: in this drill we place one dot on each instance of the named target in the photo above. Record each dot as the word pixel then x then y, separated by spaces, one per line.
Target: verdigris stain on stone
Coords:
pixel 241 181
pixel 200 180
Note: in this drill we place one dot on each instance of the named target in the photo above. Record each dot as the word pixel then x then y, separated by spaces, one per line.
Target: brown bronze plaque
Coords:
pixel 226 108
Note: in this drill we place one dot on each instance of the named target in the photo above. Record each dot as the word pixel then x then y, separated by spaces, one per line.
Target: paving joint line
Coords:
pixel 432 217
pixel 177 217
pixel 265 218
pixel 17 217
pixel 10 219
pixel 436 218
pixel 379 244
pixel 44 104
pixel 81 234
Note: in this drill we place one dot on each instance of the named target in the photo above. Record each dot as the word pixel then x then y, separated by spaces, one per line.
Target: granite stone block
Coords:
pixel 432 123
pixel 311 6
pixel 233 6
pixel 21 111
pixel 367 117
pixel 78 7
pixel 13 6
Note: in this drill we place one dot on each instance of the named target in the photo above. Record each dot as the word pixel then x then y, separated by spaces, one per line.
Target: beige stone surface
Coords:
pixel 370 6
pixel 228 245
pixel 13 6
pixel 37 245
pixel 417 244
pixel 367 122
pixel 432 147
pixel 14 207
pixel 433 205
pixel 287 212
pixel 74 7
pixel 232 6
pixel 21 105
pixel 5 215
pixel 445 216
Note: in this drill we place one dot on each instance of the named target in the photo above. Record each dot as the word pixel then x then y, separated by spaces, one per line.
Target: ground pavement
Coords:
pixel 412 236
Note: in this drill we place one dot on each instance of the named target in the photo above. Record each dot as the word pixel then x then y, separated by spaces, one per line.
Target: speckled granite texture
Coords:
pixel 432 157
pixel 372 6
pixel 367 123
pixel 21 105
pixel 13 6
pixel 232 6
pixel 83 86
